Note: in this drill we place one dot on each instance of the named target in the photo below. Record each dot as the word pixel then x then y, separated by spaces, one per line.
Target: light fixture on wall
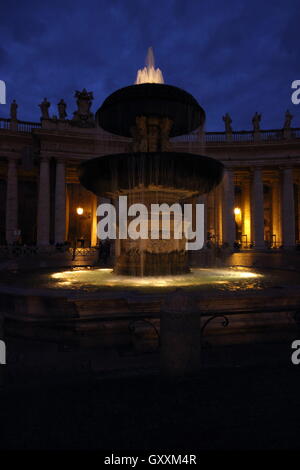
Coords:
pixel 79 210
pixel 237 211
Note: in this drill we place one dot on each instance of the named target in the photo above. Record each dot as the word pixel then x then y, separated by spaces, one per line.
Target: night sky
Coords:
pixel 233 56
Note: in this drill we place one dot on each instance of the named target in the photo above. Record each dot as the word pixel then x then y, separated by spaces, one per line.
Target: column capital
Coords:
pixel 256 168
pixel 229 169
pixel 44 158
pixel 12 159
pixel 286 167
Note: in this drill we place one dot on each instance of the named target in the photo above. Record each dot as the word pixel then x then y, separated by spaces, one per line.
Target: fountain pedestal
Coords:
pixel 151 173
pixel 159 250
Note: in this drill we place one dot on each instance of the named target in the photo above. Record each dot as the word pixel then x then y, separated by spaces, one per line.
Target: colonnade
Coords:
pixel 222 205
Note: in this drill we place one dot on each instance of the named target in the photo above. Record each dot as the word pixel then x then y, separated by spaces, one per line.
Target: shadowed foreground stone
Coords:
pixel 180 335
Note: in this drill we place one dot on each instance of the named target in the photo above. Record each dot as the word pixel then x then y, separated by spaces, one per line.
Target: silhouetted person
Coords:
pixel 104 248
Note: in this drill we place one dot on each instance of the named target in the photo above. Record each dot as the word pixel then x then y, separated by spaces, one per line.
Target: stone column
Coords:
pixel 288 208
pixel 257 209
pixel 298 211
pixel 246 210
pixel 2 352
pixel 210 215
pixel 43 222
pixel 67 214
pixel 218 214
pixel 11 201
pixel 203 199
pixel 94 238
pixel 228 229
pixel 60 202
pixel 276 212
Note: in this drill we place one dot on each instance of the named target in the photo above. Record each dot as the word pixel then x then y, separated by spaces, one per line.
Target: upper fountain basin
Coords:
pixel 119 111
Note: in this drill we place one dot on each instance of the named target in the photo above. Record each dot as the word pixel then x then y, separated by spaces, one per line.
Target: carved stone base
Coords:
pixel 152 264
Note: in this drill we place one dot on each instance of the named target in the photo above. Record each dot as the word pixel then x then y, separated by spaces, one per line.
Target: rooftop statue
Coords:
pixel 228 121
pixel 83 117
pixel 288 120
pixel 61 106
pixel 256 122
pixel 13 110
pixel 44 106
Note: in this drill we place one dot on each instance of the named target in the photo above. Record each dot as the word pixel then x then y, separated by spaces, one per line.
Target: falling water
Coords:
pixel 152 170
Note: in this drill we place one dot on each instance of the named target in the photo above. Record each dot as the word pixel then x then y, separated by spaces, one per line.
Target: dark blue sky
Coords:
pixel 233 56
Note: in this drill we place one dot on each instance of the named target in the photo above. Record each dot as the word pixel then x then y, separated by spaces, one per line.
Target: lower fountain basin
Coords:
pixel 184 173
pixel 90 306
pixel 89 279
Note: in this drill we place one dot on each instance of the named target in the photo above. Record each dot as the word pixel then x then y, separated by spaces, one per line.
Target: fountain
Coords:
pixel 147 301
pixel 151 112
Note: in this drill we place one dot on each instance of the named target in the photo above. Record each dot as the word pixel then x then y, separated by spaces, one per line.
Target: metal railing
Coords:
pixel 26 126
pixel 19 251
pixel 4 123
pixel 268 135
pixel 20 126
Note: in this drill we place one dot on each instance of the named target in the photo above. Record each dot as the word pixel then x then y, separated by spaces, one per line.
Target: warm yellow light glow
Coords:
pixel 106 278
pixel 248 275
pixel 79 210
pixel 149 74
pixel 237 211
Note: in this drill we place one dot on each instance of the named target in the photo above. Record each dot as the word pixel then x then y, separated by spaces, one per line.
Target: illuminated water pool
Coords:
pixel 98 279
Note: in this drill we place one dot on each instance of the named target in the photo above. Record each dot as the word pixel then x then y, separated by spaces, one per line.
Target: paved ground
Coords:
pixel 243 399
pixel 230 407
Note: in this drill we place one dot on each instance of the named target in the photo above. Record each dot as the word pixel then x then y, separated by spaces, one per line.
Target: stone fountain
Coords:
pixel 151 173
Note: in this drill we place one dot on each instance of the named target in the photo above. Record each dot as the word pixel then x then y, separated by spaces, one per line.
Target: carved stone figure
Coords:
pixel 135 145
pixel 256 122
pixel 228 121
pixel 13 110
pixel 153 127
pixel 165 129
pixel 44 106
pixel 141 134
pixel 83 117
pixel 61 106
pixel 151 134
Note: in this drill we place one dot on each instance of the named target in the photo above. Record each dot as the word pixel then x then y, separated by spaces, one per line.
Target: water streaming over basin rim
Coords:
pixel 91 279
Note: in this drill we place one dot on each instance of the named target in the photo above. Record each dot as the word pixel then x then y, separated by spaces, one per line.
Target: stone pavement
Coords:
pixel 251 402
